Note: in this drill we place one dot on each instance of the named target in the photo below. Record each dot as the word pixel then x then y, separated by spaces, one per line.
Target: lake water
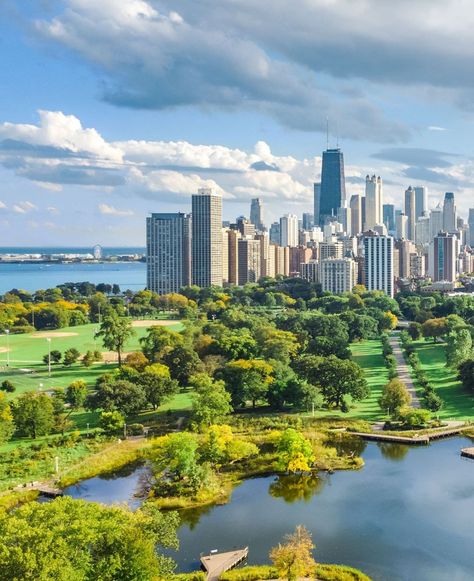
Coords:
pixel 406 516
pixel 31 277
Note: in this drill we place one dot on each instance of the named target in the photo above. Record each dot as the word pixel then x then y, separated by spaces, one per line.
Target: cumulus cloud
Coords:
pixel 109 210
pixel 23 207
pixel 221 56
pixel 2 205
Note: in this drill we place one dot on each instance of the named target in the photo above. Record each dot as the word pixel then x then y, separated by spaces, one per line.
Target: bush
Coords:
pixel 433 401
pixel 322 572
pixel 194 576
pixel 7 386
pixel 135 429
pixel 414 418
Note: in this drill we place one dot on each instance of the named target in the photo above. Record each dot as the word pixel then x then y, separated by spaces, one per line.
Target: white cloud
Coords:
pixel 436 128
pixel 109 210
pixel 53 210
pixel 2 205
pixel 23 207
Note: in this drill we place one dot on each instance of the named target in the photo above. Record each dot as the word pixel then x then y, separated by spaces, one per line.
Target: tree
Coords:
pixel 293 558
pixel 72 540
pixel 395 395
pixel 458 347
pixel 88 359
pixel 157 384
pixel 295 453
pixel 71 356
pixel 136 360
pixel 7 386
pixel 6 420
pixel 211 401
pixel 466 374
pixel 115 332
pixel 117 394
pixel 111 422
pixel 158 341
pixel 221 445
pixel 54 356
pixel 247 380
pixel 76 394
pixel 33 414
pixel 435 328
pixel 176 453
pixel 183 362
pixel 337 378
pixel 415 331
pixel 414 418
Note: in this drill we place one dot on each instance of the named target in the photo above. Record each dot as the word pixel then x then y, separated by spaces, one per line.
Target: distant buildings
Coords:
pixel 378 257
pixel 289 230
pixel 443 257
pixel 256 214
pixel 373 202
pixel 449 213
pixel 338 275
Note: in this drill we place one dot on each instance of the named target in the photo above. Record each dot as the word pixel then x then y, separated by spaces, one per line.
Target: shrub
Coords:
pixel 414 418
pixel 135 429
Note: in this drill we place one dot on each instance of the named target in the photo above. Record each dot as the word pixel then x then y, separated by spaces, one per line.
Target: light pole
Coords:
pixel 7 333
pixel 49 356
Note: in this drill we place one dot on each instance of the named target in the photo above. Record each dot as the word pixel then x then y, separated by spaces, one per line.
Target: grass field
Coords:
pixel 368 354
pixel 27 370
pixel 458 404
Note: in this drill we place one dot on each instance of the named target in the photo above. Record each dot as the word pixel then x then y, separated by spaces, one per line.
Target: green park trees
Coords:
pixel 72 540
pixel 395 396
pixel 115 331
pixel 458 346
pixel 6 419
pixel 211 401
pixel 295 453
pixel 33 414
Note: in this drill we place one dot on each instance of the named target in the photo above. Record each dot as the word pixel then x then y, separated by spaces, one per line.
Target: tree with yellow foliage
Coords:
pixel 293 559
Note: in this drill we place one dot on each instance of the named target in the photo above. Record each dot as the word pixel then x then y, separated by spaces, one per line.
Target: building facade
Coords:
pixel 338 275
pixel 378 263
pixel 333 184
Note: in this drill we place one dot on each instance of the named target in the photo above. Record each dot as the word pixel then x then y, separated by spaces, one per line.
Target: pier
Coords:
pixel 468 453
pixel 217 563
pixel 422 440
pixel 42 488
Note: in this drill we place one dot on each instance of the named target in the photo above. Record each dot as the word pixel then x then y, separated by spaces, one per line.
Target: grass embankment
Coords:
pixel 27 370
pixel 458 403
pixel 322 572
pixel 330 450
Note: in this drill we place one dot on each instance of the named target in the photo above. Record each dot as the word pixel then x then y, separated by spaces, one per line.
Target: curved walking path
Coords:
pixel 403 370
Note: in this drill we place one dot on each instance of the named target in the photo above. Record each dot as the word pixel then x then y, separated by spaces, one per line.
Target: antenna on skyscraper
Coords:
pixel 337 136
pixel 327 132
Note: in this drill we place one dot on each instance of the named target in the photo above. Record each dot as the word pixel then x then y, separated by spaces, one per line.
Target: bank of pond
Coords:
pixel 407 514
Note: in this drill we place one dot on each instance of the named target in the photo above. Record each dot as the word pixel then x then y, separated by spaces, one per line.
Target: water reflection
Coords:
pixel 395 452
pixel 297 487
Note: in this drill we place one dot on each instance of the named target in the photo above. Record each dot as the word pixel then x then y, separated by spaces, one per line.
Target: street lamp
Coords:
pixel 49 356
pixel 7 333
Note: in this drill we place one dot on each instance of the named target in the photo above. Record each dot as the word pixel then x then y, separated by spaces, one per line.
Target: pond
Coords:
pixel 406 516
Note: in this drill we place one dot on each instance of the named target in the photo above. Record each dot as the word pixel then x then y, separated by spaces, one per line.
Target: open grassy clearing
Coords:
pixel 27 370
pixel 458 403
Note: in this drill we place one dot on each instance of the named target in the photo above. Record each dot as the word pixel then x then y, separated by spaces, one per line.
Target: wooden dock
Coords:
pixel 468 453
pixel 217 563
pixel 422 440
pixel 43 488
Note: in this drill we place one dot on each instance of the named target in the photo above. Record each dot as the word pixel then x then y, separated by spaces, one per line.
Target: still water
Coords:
pixel 406 516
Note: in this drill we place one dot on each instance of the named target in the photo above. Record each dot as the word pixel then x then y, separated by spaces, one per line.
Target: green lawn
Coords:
pixel 368 354
pixel 458 404
pixel 28 372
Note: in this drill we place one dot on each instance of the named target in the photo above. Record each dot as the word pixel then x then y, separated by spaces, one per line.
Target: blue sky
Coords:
pixel 111 110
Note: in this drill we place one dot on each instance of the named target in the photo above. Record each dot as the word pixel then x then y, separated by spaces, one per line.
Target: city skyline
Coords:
pixel 80 121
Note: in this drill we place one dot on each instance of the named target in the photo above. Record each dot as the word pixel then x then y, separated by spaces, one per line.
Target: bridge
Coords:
pixel 217 563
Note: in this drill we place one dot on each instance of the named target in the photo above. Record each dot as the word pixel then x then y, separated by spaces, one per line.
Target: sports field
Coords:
pixel 25 354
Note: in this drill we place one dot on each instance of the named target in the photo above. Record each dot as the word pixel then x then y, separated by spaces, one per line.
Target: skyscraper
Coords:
pixel 421 201
pixel 338 275
pixel 401 221
pixel 289 230
pixel 168 251
pixel 249 260
pixel 449 213
pixel 471 227
pixel 256 214
pixel 436 221
pixel 410 212
pixel 333 184
pixel 443 257
pixel 206 238
pixel 389 217
pixel 317 202
pixel 373 202
pixel 308 221
pixel 356 214
pixel 378 263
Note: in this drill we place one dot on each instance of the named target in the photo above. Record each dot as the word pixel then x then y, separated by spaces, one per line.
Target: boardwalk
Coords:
pixel 43 488
pixel 468 453
pixel 424 439
pixel 219 563
pixel 403 371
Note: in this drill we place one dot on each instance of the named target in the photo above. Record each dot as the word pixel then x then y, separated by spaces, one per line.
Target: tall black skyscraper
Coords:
pixel 333 184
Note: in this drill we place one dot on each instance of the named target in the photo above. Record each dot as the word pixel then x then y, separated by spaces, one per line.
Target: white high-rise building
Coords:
pixel 207 265
pixel 168 252
pixel 373 202
pixel 410 212
pixel 356 214
pixel 378 263
pixel 449 213
pixel 401 224
pixel 338 275
pixel 423 230
pixel 289 230
pixel 436 221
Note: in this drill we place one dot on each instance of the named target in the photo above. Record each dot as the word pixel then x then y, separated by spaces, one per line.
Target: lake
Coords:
pixel 31 277
pixel 406 516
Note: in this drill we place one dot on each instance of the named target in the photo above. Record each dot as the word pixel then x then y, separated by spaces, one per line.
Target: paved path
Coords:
pixel 403 371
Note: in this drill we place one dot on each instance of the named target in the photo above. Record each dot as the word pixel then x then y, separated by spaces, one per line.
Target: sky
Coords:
pixel 111 110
